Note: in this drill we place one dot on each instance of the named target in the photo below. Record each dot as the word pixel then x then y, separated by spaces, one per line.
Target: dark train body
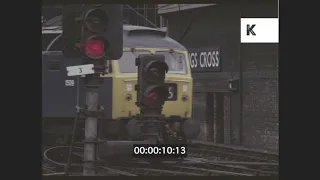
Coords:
pixel 61 94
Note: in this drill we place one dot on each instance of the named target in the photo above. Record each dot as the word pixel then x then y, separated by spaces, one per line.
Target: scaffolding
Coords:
pixel 143 15
pixel 133 14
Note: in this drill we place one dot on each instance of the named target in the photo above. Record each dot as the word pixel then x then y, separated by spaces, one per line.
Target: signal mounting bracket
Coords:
pixel 90 113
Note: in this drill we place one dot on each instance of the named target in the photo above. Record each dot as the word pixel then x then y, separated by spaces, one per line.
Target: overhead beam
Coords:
pixel 169 8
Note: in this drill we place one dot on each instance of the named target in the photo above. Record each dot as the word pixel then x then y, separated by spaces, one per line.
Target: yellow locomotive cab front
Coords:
pixel 180 85
pixel 178 79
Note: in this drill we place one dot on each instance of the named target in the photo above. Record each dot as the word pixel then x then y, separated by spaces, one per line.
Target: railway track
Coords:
pixel 171 168
pixel 253 169
pixel 194 167
pixel 139 171
pixel 223 152
pixel 47 169
pixel 196 164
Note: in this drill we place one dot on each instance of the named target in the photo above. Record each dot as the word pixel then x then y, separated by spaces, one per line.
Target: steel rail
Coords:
pixel 150 171
pixel 261 154
pixel 222 154
pixel 211 172
pixel 230 168
pixel 118 171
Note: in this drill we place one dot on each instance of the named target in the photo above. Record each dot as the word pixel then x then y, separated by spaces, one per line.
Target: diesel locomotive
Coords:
pixel 61 93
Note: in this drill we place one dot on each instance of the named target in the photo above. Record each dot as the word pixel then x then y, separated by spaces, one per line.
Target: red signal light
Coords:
pixel 94 48
pixel 152 96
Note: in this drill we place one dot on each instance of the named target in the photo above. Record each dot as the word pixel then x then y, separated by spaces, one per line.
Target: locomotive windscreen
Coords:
pixel 175 61
pixel 48 38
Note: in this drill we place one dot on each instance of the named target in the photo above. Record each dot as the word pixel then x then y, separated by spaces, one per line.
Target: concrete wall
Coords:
pixel 256 126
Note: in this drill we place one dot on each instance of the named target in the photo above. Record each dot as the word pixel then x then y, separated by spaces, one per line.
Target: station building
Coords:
pixel 235 85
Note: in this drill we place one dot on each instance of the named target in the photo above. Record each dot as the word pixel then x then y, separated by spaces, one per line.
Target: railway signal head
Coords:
pixel 70 30
pixel 152 91
pixel 102 31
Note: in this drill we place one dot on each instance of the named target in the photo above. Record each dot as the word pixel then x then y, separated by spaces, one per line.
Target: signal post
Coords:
pixel 95 36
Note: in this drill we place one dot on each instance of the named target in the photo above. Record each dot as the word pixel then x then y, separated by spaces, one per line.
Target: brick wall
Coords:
pixel 260 91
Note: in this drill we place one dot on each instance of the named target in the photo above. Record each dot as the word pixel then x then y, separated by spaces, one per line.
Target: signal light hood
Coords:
pixel 157 64
pixel 96 20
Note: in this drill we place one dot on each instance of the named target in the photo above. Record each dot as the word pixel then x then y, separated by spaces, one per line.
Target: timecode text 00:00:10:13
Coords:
pixel 150 150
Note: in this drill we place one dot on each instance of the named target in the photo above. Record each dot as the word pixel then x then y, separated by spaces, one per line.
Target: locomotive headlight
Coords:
pixel 128 97
pixel 185 98
pixel 185 88
pixel 129 87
